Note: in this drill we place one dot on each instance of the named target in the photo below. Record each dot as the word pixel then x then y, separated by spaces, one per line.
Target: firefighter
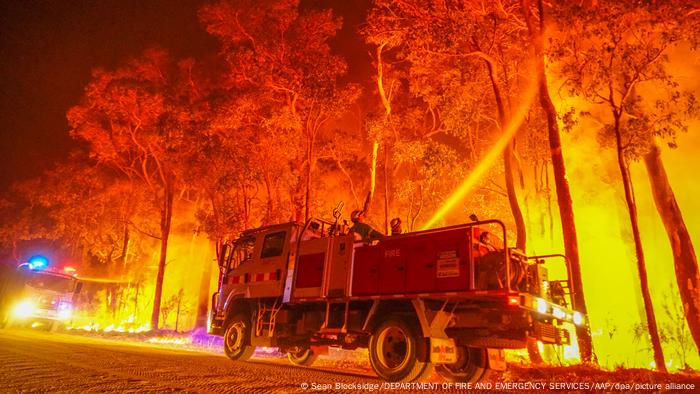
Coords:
pixel 363 231
pixel 396 226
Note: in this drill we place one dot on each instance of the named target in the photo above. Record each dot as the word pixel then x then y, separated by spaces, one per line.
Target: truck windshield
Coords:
pixel 56 283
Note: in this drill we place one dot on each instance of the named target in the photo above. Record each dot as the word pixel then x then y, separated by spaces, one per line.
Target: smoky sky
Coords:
pixel 49 47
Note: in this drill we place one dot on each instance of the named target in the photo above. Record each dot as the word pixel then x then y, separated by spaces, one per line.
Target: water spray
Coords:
pixel 508 133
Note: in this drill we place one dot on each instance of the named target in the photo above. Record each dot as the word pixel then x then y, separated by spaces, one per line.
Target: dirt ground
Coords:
pixel 42 362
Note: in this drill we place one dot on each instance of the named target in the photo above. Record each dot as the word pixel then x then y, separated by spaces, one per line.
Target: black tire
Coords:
pixel 237 339
pixel 471 366
pixel 533 351
pixel 304 357
pixel 394 348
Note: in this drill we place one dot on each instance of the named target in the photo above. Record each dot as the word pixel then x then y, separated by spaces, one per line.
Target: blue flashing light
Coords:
pixel 38 262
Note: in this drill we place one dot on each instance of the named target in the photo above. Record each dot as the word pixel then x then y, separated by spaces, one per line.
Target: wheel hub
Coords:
pixel 393 348
pixel 234 339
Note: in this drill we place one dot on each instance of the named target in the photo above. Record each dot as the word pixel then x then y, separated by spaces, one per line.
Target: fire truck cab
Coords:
pixel 451 298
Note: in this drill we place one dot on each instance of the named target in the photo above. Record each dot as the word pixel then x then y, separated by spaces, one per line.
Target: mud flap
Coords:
pixel 320 350
pixel 497 359
pixel 443 351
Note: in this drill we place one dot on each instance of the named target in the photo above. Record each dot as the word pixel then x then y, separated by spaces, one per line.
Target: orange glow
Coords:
pixel 513 301
pixel 615 309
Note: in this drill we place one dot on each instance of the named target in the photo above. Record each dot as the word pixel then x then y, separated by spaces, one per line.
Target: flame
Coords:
pixel 170 341
pixel 606 248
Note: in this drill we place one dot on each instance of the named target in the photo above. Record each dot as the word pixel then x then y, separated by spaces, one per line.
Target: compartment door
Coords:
pixel 452 261
pixel 421 265
pixel 365 274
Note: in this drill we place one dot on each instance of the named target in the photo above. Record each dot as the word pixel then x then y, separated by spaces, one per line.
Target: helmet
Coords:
pixel 355 215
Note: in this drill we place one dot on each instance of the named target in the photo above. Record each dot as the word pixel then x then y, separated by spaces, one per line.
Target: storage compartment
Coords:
pixel 365 274
pixel 392 270
pixel 421 265
pixel 452 261
pixel 310 270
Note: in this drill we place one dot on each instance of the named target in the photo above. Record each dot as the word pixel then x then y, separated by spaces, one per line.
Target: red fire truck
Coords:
pixel 451 298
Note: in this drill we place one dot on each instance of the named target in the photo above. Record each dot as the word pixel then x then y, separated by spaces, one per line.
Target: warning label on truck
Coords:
pixel 448 264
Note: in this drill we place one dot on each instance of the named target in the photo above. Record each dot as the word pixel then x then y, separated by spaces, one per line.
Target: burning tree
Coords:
pixel 444 38
pixel 281 56
pixel 609 54
pixel 135 119
pixel 566 211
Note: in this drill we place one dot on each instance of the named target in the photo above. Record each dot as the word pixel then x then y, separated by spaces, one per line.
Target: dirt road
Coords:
pixel 35 361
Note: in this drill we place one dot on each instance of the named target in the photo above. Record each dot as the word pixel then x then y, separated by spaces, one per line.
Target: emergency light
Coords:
pixel 38 262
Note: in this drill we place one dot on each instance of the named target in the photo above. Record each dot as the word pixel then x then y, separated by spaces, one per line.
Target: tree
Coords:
pixel 280 53
pixel 451 37
pixel 566 211
pixel 611 53
pixel 135 119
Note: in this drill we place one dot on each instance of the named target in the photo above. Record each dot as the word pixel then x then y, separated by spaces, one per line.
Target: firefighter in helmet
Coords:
pixel 396 226
pixel 363 231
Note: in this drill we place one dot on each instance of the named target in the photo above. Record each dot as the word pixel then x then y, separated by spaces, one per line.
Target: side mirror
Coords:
pixel 223 253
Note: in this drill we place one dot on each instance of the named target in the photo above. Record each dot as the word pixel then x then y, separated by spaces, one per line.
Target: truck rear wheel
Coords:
pixel 237 339
pixel 303 357
pixel 394 348
pixel 471 366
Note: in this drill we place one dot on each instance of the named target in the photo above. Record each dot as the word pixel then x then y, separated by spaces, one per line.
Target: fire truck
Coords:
pixel 38 296
pixel 448 299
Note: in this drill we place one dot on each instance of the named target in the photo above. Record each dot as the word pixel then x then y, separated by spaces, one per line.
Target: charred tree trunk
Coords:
pixel 309 171
pixel 641 263
pixel 685 261
pixel 386 190
pixel 270 205
pixel 566 210
pixel 521 234
pixel 165 221
pixel 204 296
pixel 520 241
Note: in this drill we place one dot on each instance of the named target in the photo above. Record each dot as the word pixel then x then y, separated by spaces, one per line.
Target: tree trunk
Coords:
pixel 386 190
pixel 373 171
pixel 270 206
pixel 566 210
pixel 165 220
pixel 204 296
pixel 309 170
pixel 685 261
pixel 521 233
pixel 641 263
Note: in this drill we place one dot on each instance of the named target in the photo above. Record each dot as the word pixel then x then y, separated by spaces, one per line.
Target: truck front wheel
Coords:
pixel 471 366
pixel 237 339
pixel 394 348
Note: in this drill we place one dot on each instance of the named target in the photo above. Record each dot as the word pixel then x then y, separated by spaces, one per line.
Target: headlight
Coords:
pixel 24 309
pixel 541 305
pixel 578 318
pixel 558 313
pixel 65 310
